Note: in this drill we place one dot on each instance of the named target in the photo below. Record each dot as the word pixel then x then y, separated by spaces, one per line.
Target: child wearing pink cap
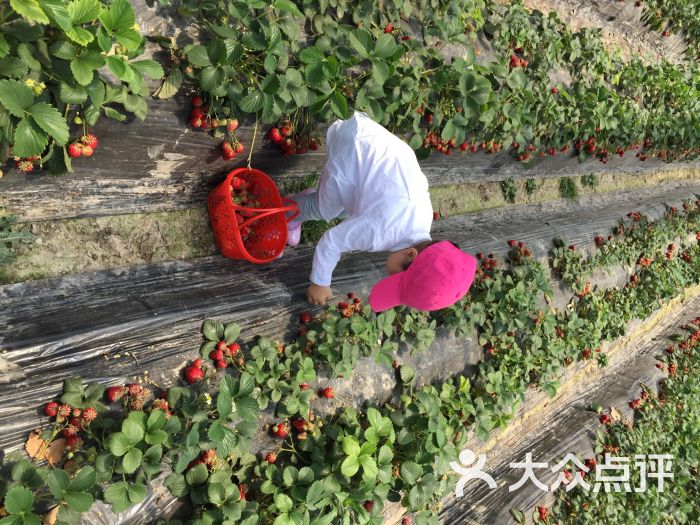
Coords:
pixel 372 180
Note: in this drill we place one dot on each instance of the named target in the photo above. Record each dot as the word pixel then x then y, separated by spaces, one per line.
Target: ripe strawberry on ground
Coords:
pixel 327 392
pixel 75 150
pixel 51 409
pixel 406 520
pixel 193 374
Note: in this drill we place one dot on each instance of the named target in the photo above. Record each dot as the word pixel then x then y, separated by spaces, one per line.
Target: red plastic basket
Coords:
pixel 268 224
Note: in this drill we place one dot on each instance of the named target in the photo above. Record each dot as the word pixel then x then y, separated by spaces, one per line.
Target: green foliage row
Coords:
pixel 253 62
pixel 676 16
pixel 343 467
pixel 53 55
pixel 665 422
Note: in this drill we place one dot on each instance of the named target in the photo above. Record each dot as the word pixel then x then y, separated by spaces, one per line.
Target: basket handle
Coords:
pixel 269 211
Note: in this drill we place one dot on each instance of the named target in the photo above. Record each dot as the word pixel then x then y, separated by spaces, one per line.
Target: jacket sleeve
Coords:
pixel 354 233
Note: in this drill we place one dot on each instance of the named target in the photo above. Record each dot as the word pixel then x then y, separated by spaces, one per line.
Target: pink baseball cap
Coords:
pixel 437 278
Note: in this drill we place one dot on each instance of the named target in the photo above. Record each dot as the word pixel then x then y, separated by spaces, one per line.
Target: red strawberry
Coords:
pixel 368 505
pixel 243 489
pixel 389 28
pixel 115 393
pixel 216 355
pixel 221 345
pixel 89 414
pixel 605 419
pixel 299 424
pixel 512 243
pixel 209 456
pixel 51 409
pixel 75 412
pixel 75 150
pixel 193 374
pixel 233 349
pixel 89 140
pixel 196 122
pixel 327 392
pixel 87 151
pixel 305 318
pixel 134 389
pixel 232 125
pixel 25 166
pixel 239 147
pixel 429 118
pixel 406 520
pixel 271 457
pixel 304 386
pixel 436 215
pixel 405 37
pixel 555 91
pixel 543 513
pixel 73 442
pixel 280 430
pixel 220 364
pixel 275 135
pixel 197 101
pixel 198 363
pixel 286 131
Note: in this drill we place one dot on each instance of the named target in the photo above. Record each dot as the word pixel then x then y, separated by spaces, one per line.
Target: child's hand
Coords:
pixel 318 294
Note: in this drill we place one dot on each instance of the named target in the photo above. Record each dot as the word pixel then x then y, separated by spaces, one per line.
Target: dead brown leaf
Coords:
pixel 51 517
pixel 36 447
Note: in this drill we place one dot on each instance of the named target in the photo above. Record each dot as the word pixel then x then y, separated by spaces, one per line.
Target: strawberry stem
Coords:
pixel 252 142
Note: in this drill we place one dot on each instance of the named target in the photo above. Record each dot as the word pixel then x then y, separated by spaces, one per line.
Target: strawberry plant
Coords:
pixel 345 465
pixel 655 429
pixel 680 16
pixel 51 54
pixel 509 190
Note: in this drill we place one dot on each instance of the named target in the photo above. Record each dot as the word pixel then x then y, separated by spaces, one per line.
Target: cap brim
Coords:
pixel 385 294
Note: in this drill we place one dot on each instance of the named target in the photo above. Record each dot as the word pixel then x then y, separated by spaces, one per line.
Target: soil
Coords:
pixel 89 244
pixel 621 25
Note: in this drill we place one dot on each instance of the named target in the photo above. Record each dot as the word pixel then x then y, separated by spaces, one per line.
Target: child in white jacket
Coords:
pixel 373 181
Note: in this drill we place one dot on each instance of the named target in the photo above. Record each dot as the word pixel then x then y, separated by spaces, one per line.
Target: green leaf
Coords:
pixel 198 56
pixel 150 68
pixel 132 460
pixel 31 10
pixel 350 446
pixel 4 47
pixel 85 64
pixel 83 11
pixel 29 139
pixel 312 55
pixel 197 475
pixel 289 7
pixel 176 485
pixel 114 114
pixel 72 94
pixel 51 121
pixel 18 500
pixel 380 71
pixel 120 15
pixel 361 40
pixel 156 420
pixel 119 444
pixel 284 503
pixel 57 12
pixel 231 333
pixel 15 96
pixel 516 79
pixel 80 36
pixel 78 501
pixel 57 481
pixel 211 78
pixel 248 408
pixel 133 430
pixel 118 495
pixel 129 38
pixel 137 492
pixel 119 67
pixel 350 466
pixel 385 46
pixel 339 105
pixel 84 480
pixel 251 102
